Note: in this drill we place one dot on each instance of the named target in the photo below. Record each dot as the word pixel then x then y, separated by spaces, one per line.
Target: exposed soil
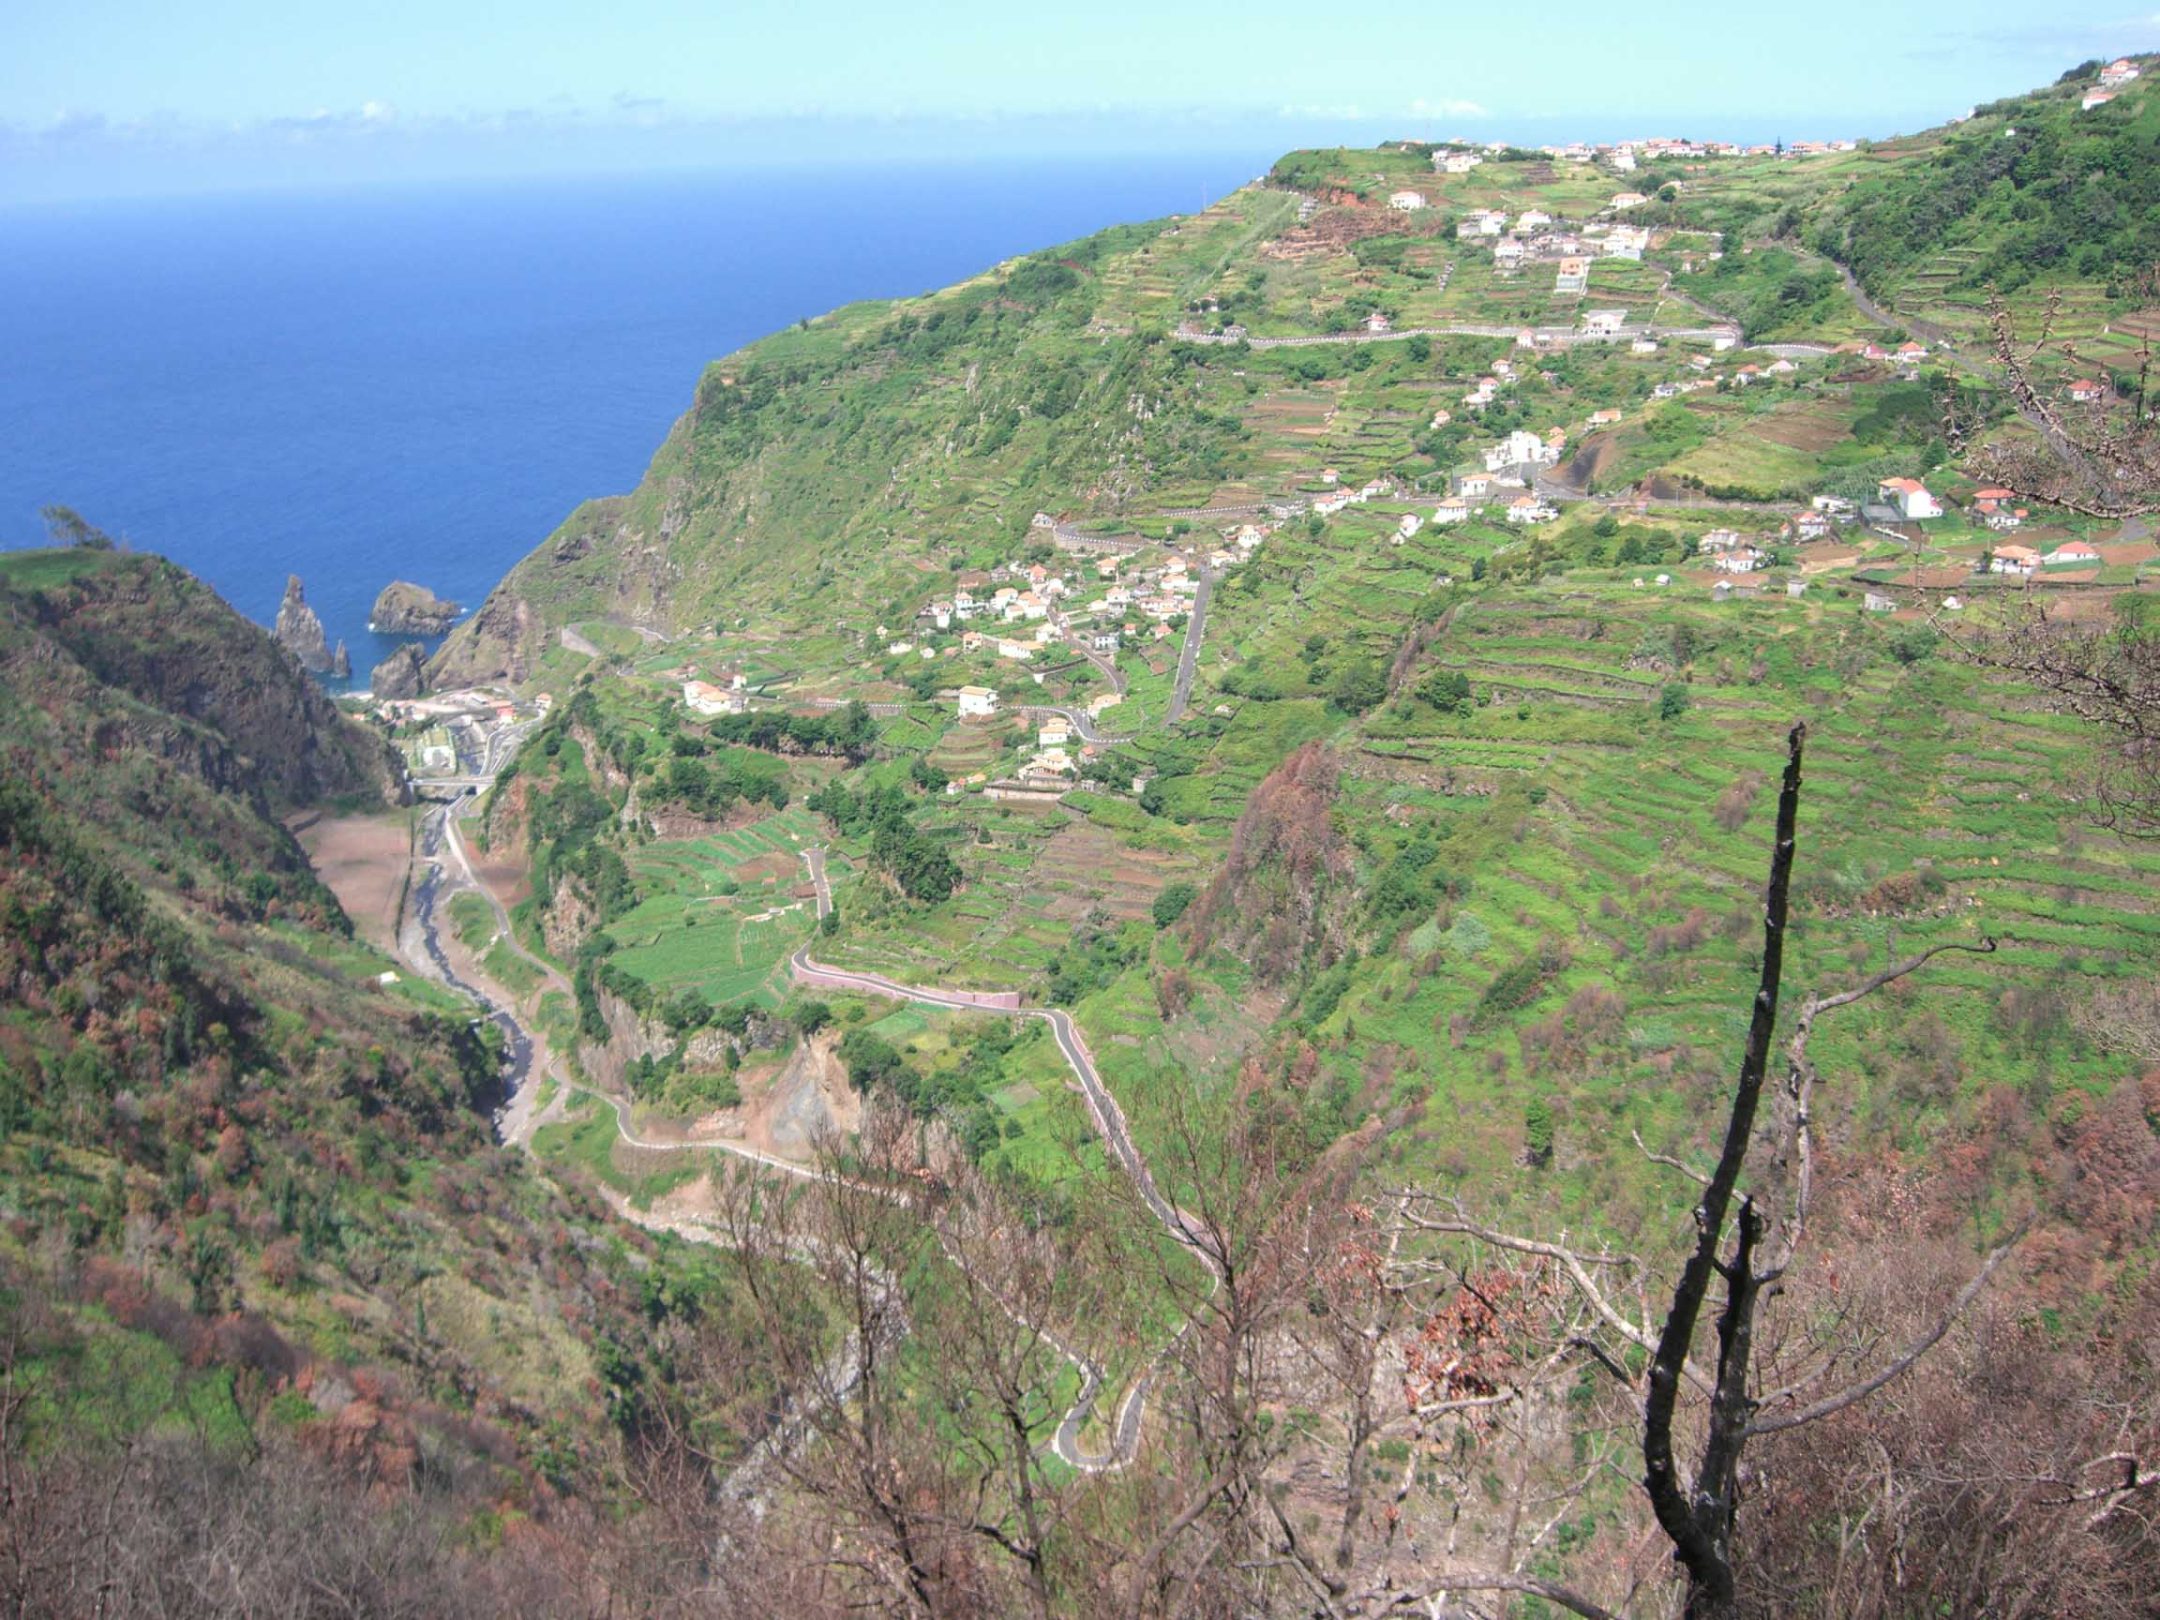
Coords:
pixel 364 861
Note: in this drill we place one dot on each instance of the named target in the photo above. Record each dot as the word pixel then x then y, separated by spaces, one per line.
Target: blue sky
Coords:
pixel 116 97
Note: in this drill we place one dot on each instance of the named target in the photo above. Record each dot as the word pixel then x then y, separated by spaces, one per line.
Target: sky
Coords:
pixel 103 98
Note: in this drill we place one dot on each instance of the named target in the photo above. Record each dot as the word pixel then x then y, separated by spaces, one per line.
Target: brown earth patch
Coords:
pixel 771 867
pixel 1814 426
pixel 364 861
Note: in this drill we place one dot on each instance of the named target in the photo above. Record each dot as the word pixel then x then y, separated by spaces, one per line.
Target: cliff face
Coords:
pixel 299 631
pixel 140 655
pixel 406 609
pixel 402 675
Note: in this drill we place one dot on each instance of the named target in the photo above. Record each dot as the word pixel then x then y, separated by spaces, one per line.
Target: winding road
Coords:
pixel 449 871
pixel 1110 1125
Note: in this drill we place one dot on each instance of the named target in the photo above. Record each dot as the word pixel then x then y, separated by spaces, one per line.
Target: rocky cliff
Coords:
pixel 402 675
pixel 138 653
pixel 299 631
pixel 406 609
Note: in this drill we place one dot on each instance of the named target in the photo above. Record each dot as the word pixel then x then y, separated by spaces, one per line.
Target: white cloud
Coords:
pixel 1447 107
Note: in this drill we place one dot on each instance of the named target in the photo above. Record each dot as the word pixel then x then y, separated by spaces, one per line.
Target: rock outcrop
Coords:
pixel 341 664
pixel 300 632
pixel 402 675
pixel 406 609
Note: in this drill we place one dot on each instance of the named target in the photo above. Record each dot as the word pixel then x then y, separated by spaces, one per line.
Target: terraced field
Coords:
pixel 721 912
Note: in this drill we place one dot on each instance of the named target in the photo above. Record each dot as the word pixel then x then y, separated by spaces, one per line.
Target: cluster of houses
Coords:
pixel 1533 236
pixel 2112 78
pixel 1460 157
pixel 1338 497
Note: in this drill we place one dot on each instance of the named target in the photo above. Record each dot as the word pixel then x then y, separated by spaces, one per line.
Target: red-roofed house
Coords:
pixel 2085 391
pixel 1910 497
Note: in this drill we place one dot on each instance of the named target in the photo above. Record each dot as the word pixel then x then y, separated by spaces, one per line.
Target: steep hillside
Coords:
pixel 253 1199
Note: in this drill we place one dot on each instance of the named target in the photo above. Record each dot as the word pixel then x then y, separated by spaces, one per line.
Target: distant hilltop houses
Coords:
pixel 1460 156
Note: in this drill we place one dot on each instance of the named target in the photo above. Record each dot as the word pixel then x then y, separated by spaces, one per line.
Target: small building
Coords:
pixel 1603 323
pixel 2117 73
pixel 1406 202
pixel 1910 497
pixel 702 697
pixel 2017 561
pixel 1876 602
pixel 1452 509
pixel 2086 391
pixel 1628 199
pixel 1573 276
pixel 1377 322
pixel 1527 508
pixel 977 702
pixel 2071 554
pixel 1796 587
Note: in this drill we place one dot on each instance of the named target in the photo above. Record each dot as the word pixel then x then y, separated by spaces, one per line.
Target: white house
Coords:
pixel 1603 323
pixel 1409 525
pixel 1572 276
pixel 1452 509
pixel 1643 345
pixel 1628 199
pixel 1740 560
pixel 2096 98
pixel 2018 560
pixel 1718 540
pixel 1406 202
pixel 2118 72
pixel 1507 253
pixel 1531 219
pixel 1019 650
pixel 1529 509
pixel 2072 554
pixel 1910 497
pixel 1456 162
pixel 1520 448
pixel 1473 486
pixel 977 702
pixel 702 697
pixel 1377 322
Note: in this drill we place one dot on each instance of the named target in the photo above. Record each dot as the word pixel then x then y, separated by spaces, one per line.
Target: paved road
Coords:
pixel 1189 656
pixel 1116 1135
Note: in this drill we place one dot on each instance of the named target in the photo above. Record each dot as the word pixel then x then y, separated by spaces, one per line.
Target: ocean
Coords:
pixel 376 384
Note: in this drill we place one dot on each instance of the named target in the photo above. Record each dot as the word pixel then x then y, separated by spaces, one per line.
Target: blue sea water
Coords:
pixel 380 384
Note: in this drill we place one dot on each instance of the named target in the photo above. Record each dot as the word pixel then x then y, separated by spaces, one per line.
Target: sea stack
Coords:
pixel 406 609
pixel 299 630
pixel 402 675
pixel 341 664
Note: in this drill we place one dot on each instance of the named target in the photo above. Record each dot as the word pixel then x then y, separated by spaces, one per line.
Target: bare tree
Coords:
pixel 2106 673
pixel 2085 458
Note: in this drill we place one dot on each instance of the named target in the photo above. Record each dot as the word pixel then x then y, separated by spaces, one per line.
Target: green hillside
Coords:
pixel 248 1165
pixel 1345 667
